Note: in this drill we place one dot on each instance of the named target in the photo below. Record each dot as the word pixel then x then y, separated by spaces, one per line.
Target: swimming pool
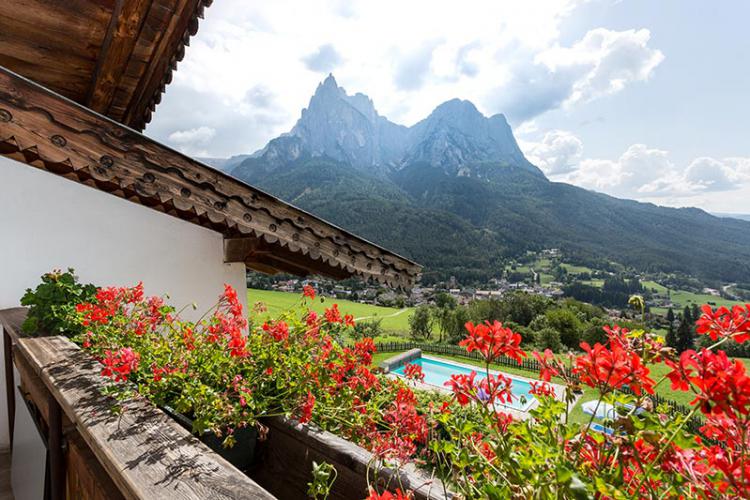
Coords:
pixel 438 372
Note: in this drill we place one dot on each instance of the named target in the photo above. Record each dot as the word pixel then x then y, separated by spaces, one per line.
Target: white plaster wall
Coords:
pixel 49 222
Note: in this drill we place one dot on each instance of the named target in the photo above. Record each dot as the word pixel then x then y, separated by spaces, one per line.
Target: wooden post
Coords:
pixel 10 392
pixel 55 450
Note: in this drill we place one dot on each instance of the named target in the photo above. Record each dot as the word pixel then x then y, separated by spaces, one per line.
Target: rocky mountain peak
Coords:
pixel 349 129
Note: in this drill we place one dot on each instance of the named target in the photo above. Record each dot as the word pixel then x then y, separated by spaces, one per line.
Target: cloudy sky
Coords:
pixel 642 99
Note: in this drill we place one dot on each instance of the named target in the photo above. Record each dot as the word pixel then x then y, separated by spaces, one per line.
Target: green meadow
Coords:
pixel 393 320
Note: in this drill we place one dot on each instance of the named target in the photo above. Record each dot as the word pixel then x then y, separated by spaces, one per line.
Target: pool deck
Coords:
pixel 517 413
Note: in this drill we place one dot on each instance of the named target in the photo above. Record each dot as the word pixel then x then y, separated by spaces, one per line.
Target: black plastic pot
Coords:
pixel 241 455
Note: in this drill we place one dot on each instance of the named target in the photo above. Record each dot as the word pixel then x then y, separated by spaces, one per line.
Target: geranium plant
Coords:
pixel 294 364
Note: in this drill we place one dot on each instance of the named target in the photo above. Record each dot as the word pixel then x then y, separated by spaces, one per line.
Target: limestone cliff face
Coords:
pixel 348 129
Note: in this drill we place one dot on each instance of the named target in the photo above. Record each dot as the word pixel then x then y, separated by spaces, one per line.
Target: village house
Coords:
pixel 83 188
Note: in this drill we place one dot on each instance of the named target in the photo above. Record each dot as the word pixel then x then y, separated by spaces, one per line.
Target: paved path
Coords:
pixel 393 315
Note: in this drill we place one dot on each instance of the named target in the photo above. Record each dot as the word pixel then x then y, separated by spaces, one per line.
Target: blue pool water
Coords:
pixel 437 373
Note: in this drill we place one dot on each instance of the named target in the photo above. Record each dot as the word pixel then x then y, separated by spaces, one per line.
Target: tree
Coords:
pixel 548 338
pixel 443 313
pixel 420 323
pixel 457 329
pixel 695 312
pixel 567 324
pixel 685 331
pixel 670 316
pixel 671 338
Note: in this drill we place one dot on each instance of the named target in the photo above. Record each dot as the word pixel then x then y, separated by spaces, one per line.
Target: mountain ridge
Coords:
pixel 457 179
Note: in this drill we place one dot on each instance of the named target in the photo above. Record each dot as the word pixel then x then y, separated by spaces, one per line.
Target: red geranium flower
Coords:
pixel 387 495
pixel 278 330
pixel 332 314
pixel 722 384
pixel 734 323
pixel 547 368
pixel 611 369
pixel 308 291
pixel 493 341
pixel 542 389
pixel 413 372
pixel 307 408
pixel 119 364
pixel 463 387
pixel 349 320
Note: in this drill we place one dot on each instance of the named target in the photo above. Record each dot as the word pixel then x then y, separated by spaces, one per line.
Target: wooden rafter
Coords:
pixel 119 42
pixel 48 131
pixel 115 57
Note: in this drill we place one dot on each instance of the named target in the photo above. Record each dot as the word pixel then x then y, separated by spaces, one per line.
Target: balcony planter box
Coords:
pixel 241 455
pixel 286 458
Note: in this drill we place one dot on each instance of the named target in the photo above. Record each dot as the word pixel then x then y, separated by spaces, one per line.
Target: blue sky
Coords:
pixel 642 99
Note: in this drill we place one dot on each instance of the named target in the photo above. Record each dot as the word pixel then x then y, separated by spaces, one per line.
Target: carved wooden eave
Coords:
pixel 115 57
pixel 50 132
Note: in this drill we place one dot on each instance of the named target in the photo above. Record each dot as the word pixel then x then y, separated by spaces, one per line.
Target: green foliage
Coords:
pixel 369 328
pixel 594 331
pixel 685 332
pixel 520 308
pixel 615 292
pixel 548 338
pixel 324 475
pixel 420 323
pixel 567 324
pixel 52 304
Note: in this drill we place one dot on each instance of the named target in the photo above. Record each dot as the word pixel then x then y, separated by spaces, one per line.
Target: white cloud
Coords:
pixel 644 173
pixel 199 135
pixel 326 58
pixel 558 153
pixel 407 56
pixel 602 63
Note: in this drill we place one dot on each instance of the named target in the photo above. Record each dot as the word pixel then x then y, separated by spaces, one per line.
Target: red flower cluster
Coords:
pixel 731 457
pixel 493 341
pixel 413 372
pixel 119 364
pixel 307 408
pixel 548 365
pixel 463 387
pixel 387 495
pixel 612 369
pixel 277 329
pixel 332 314
pixel 160 372
pixel 722 323
pixel 542 389
pixel 406 428
pixel 483 447
pixel 364 349
pixel 108 301
pixel 503 420
pixel 722 384
pixel 309 292
pixel 231 321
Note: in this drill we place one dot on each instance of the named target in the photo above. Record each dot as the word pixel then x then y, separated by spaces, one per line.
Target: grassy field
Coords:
pixel 393 320
pixel 576 269
pixel 682 298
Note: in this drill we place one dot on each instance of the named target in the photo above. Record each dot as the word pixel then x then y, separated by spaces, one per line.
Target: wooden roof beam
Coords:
pixel 119 42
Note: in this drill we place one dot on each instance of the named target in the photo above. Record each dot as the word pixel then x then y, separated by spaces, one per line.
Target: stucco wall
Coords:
pixel 49 222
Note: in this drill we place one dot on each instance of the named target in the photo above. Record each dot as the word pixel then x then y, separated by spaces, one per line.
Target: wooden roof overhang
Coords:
pixel 113 56
pixel 48 131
